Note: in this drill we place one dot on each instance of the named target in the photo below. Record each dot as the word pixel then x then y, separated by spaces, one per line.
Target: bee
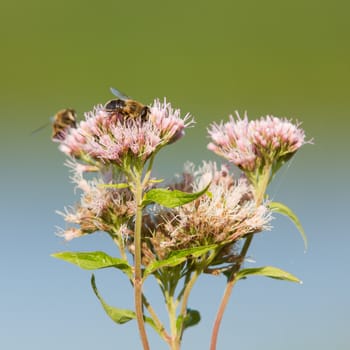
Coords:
pixel 128 108
pixel 62 121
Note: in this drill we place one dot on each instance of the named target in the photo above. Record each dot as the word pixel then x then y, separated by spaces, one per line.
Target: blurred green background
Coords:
pixel 288 59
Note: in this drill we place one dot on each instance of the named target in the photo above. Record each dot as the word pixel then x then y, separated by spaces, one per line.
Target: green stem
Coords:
pixel 161 329
pixel 137 266
pixel 185 298
pixel 175 343
pixel 263 182
pixel 118 241
pixel 149 171
pixel 171 308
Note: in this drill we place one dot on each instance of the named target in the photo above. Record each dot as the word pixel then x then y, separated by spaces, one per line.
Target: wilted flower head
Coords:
pixel 222 216
pixel 109 137
pixel 252 144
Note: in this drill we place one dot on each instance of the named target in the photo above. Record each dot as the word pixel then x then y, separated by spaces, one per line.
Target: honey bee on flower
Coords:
pixel 127 107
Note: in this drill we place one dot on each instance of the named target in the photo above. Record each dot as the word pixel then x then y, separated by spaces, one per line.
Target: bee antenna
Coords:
pixel 39 129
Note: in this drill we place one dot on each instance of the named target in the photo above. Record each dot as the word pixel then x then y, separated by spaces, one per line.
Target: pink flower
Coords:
pixel 108 137
pixel 251 145
pixel 168 121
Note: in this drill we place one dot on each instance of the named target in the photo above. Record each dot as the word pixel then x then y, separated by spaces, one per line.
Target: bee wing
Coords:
pixel 119 94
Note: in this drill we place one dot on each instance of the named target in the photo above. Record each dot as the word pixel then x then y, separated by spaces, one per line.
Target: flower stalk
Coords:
pixel 260 190
pixel 185 297
pixel 231 281
pixel 259 148
pixel 172 306
pixel 137 267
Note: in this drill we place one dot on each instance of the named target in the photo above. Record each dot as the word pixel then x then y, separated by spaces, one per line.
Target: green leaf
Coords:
pixel 192 318
pixel 94 260
pixel 155 181
pixel 268 271
pixel 178 257
pixel 119 316
pixel 171 198
pixel 118 186
pixel 284 210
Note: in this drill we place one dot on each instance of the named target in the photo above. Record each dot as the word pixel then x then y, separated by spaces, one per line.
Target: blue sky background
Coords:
pixel 285 58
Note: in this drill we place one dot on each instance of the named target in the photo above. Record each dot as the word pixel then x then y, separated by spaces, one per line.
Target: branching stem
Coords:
pixel 137 270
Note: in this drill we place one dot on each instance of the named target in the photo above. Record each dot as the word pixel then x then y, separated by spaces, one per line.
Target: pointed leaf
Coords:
pixel 119 316
pixel 268 271
pixel 171 198
pixel 284 210
pixel 94 260
pixel 178 257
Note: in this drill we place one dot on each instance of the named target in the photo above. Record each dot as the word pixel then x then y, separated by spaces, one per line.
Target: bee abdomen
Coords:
pixel 113 105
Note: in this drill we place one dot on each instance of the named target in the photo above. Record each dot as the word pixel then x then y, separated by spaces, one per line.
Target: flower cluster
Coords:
pixel 252 144
pixel 109 137
pixel 101 208
pixel 222 216
pixel 203 222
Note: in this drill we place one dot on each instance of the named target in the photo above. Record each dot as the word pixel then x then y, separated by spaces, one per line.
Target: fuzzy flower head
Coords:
pixel 101 208
pixel 253 144
pixel 223 216
pixel 109 137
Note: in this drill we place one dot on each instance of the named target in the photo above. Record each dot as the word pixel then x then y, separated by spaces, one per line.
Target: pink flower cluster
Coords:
pixel 224 216
pixel 250 144
pixel 109 137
